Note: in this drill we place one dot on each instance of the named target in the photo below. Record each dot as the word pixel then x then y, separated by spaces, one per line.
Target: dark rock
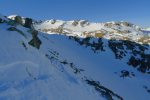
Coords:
pixel 95 46
pixel 133 61
pixel 28 23
pixel 35 42
pixel 143 63
pixel 1 21
pixel 146 88
pixel 24 45
pixel 108 94
pixel 19 20
pixel 75 23
pixel 64 62
pixel 117 48
pixel 125 73
pixel 53 21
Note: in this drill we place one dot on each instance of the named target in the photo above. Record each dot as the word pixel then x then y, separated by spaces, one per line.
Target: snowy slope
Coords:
pixel 26 73
pixel 103 68
pixel 65 67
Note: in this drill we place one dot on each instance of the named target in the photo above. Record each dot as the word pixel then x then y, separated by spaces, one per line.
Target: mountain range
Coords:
pixel 73 60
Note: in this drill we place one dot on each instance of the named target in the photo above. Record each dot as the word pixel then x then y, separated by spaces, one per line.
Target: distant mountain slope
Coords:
pixel 69 64
pixel 83 28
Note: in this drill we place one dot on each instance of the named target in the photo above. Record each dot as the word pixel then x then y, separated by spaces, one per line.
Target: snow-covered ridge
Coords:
pixel 82 25
pixel 83 28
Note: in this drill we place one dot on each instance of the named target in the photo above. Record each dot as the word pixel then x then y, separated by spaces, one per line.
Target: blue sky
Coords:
pixel 135 11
